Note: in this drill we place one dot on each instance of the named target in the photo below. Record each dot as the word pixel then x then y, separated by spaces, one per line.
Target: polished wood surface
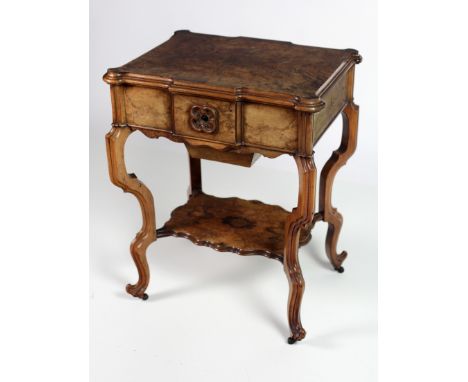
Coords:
pixel 195 176
pixel 327 176
pixel 115 141
pixel 242 62
pixel 300 217
pixel 270 126
pixel 232 100
pixel 245 227
pixel 258 88
pixel 200 152
pixel 225 130
pixel 148 107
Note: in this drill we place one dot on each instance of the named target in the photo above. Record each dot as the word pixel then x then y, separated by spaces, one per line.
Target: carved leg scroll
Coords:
pixel 115 142
pixel 336 161
pixel 300 217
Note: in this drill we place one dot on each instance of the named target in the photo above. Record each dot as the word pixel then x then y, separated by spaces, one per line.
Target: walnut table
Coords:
pixel 231 100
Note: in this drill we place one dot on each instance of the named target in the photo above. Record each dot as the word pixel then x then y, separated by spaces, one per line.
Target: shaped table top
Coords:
pixel 239 64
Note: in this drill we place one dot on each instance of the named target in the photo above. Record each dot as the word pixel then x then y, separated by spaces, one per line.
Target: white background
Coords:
pixel 212 316
pixel 44 194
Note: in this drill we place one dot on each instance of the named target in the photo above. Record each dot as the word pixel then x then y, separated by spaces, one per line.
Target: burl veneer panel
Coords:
pixel 148 107
pixel 270 126
pixel 335 100
pixel 226 131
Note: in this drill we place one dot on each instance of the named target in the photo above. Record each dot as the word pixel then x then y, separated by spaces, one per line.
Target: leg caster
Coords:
pixel 131 291
pixel 299 335
pixel 339 269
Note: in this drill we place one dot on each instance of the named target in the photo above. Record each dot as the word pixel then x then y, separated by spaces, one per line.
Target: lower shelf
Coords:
pixel 246 227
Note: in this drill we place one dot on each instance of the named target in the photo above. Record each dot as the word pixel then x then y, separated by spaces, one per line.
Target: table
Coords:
pixel 230 100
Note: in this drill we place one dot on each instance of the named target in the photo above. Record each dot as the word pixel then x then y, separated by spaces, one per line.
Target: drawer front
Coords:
pixel 270 126
pixel 148 107
pixel 205 118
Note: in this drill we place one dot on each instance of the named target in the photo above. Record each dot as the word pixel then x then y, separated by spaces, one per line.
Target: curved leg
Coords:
pixel 300 217
pixel 115 142
pixel 336 161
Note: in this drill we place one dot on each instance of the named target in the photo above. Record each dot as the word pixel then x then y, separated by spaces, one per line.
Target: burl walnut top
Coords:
pixel 239 63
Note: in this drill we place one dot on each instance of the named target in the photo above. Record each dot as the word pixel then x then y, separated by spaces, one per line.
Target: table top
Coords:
pixel 240 63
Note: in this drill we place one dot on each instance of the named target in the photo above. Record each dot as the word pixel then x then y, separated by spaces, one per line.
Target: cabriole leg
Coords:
pixel 115 143
pixel 336 161
pixel 300 217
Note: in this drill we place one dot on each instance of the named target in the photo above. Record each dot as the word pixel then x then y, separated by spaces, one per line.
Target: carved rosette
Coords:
pixel 204 119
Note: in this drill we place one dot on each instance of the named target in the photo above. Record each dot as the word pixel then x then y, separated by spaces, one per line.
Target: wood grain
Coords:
pixel 261 90
pixel 245 160
pixel 115 143
pixel 335 99
pixel 297 222
pixel 226 131
pixel 270 126
pixel 327 176
pixel 148 107
pixel 231 100
pixel 195 186
pixel 245 227
pixel 241 62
